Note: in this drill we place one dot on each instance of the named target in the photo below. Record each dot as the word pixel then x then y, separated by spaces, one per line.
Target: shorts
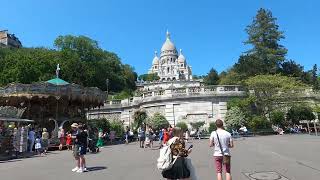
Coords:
pixel 218 163
pixel 82 150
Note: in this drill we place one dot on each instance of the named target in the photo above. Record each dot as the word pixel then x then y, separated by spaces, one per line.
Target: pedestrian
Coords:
pixel 142 137
pixel 75 148
pixel 69 141
pixel 61 136
pixel 147 138
pixel 165 136
pixel 100 139
pixel 161 138
pixel 31 138
pixel 187 135
pixel 38 146
pixel 127 133
pixel 45 140
pixel 82 141
pixel 222 141
pixel 179 169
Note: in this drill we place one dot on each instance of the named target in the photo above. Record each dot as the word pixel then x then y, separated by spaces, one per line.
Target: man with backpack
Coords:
pixel 222 141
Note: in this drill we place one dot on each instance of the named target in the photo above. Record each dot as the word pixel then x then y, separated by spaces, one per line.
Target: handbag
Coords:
pixel 226 158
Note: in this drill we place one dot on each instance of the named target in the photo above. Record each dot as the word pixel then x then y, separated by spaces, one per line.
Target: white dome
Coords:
pixel 181 58
pixel 168 45
pixel 155 59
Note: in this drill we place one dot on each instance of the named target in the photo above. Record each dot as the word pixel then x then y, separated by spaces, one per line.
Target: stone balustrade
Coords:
pixel 202 91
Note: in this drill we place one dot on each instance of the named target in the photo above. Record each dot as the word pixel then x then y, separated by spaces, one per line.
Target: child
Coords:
pixel 38 145
pixel 69 141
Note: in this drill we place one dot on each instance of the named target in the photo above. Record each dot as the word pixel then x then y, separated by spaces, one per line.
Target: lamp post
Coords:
pixel 107 83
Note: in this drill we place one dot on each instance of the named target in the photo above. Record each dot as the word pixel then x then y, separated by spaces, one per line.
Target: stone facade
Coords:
pixel 9 40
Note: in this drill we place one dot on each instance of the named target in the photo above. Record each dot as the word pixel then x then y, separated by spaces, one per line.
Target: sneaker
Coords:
pixel 75 169
pixel 80 170
pixel 85 169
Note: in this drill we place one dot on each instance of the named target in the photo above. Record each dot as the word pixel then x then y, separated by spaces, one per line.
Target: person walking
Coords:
pixel 61 136
pixel 179 169
pixel 45 140
pixel 100 138
pixel 222 142
pixel 161 138
pixel 31 138
pixel 69 141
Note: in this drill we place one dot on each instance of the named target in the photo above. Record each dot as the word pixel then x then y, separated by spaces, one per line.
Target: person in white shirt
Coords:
pixel 222 142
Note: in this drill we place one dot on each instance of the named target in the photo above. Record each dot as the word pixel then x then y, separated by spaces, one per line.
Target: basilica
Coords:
pixel 171 65
pixel 176 95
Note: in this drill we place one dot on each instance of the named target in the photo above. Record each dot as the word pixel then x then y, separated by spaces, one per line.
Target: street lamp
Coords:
pixel 107 83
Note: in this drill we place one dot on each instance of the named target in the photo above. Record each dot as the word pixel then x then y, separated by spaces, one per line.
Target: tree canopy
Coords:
pixel 212 78
pixel 81 59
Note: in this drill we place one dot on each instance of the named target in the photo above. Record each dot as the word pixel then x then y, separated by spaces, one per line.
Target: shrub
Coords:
pixel 158 121
pixel 234 118
pixel 182 125
pixel 103 124
pixel 277 118
pixel 301 112
pixel 197 125
pixel 212 127
pixel 259 122
pixel 117 126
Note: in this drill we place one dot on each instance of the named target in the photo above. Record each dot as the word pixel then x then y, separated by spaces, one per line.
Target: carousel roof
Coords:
pixel 58 82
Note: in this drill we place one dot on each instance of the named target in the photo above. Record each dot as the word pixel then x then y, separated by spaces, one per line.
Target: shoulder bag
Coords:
pixel 226 158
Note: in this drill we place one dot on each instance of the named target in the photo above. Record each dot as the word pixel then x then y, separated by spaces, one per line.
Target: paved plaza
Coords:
pixel 294 157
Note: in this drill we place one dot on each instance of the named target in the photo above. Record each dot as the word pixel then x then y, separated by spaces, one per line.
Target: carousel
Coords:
pixel 51 104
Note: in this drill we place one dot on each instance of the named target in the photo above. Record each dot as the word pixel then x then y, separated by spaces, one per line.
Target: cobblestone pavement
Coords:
pixel 294 157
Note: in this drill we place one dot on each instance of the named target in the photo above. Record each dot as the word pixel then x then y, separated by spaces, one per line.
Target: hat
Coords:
pixel 75 125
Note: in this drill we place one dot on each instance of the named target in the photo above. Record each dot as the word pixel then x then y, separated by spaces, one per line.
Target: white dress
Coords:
pixel 38 144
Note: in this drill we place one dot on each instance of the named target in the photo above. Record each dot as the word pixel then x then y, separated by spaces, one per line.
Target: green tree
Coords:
pixel 197 125
pixel 291 68
pixel 278 118
pixel 103 124
pixel 212 127
pixel 231 77
pixel 81 59
pixel 182 125
pixel 266 54
pixel 158 121
pixel 315 81
pixel 149 77
pixel 234 118
pixel 272 90
pixel 139 117
pixel 259 122
pixel 212 78
pixel 117 126
pixel 300 112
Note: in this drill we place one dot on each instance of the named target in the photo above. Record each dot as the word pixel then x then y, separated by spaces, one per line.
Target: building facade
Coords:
pixel 9 40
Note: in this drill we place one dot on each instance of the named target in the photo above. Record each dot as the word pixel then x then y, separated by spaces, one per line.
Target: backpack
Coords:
pixel 165 160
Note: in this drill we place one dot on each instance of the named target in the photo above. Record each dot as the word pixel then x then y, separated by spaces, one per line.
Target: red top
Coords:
pixel 165 137
pixel 69 139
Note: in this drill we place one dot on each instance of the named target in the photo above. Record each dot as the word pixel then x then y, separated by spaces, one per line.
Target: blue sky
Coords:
pixel 210 32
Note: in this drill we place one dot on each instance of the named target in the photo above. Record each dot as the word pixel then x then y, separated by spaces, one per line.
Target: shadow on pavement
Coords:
pixel 15 160
pixel 96 168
